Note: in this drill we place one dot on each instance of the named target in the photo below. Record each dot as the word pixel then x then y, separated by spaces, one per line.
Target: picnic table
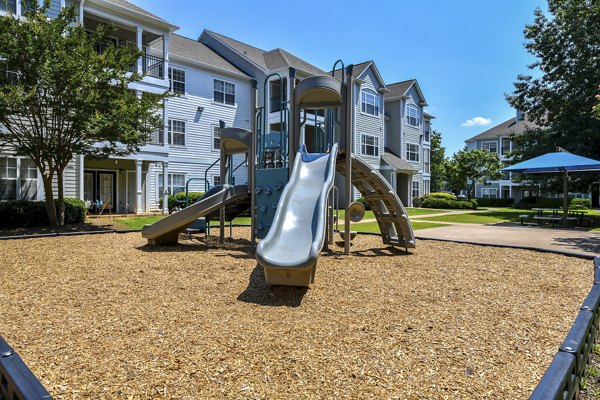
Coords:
pixel 540 217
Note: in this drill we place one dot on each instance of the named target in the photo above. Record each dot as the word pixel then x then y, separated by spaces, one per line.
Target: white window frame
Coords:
pixel 502 145
pixel 487 146
pixel 224 92
pixel 426 160
pixel 170 129
pixel 416 117
pixel 364 146
pixel 19 179
pixel 417 190
pixel 410 152
pixel 216 180
pixel 486 193
pixel 365 96
pixel 171 80
pixel 216 135
pixel 169 182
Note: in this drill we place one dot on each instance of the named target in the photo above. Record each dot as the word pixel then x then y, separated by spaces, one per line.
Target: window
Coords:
pixel 426 163
pixel 177 132
pixel 412 152
pixel 506 175
pixel 174 181
pixel 427 131
pixel 369 102
pixel 413 116
pixel 505 146
pixel 369 145
pixel 426 187
pixel 489 193
pixel 216 138
pixel 177 80
pixel 416 189
pixel 10 5
pixel 18 178
pixel 216 180
pixel 492 147
pixel 224 92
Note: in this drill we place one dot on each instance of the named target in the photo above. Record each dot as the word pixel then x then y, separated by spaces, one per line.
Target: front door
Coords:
pixel 100 185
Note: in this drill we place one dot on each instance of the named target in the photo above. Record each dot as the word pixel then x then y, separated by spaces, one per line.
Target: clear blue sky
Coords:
pixel 465 53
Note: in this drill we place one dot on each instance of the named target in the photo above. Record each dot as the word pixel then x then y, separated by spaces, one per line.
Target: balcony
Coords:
pixel 153 66
pixel 155 138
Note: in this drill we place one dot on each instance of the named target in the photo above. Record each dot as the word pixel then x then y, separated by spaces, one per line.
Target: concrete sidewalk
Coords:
pixel 574 240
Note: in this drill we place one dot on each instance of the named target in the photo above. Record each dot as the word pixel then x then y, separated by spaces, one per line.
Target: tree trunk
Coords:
pixel 60 207
pixel 49 195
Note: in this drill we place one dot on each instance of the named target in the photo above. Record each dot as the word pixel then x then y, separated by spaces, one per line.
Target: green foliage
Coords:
pixel 441 195
pixel 585 204
pixel 28 214
pixel 467 168
pixel 436 202
pixel 363 201
pixel 543 202
pixel 59 97
pixel 560 92
pixel 481 202
pixel 178 200
pixel 438 157
pixel 417 201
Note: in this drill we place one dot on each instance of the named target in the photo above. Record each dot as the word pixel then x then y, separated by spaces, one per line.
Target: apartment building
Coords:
pixel 211 79
pixel 498 140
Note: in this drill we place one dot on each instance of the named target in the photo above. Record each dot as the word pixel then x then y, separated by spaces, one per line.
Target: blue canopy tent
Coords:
pixel 554 163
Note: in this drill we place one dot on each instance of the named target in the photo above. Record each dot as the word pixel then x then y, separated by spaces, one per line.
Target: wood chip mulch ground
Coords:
pixel 109 317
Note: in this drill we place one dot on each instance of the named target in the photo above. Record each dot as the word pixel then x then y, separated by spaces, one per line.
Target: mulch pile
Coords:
pixel 107 316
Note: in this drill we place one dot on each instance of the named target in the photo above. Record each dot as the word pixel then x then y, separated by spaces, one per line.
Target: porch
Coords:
pixel 127 185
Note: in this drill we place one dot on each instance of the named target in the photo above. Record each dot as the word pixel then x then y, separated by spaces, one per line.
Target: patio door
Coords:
pixel 100 185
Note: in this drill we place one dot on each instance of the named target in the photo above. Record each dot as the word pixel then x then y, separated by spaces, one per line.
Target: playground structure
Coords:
pixel 290 190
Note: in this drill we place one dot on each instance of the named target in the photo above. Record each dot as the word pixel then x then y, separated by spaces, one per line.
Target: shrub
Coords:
pixel 74 211
pixel 441 195
pixel 436 202
pixel 417 201
pixel 364 202
pixel 486 202
pixel 577 202
pixel 28 214
pixel 178 201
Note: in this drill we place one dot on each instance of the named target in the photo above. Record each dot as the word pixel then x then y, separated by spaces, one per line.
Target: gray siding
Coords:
pixel 393 127
pixel 54 9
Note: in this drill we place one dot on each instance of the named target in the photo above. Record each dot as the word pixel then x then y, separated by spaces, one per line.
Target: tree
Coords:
pixel 467 168
pixel 560 100
pixel 438 157
pixel 65 92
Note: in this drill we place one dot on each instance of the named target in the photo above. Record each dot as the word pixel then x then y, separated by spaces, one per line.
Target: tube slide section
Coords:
pixel 289 252
pixel 166 230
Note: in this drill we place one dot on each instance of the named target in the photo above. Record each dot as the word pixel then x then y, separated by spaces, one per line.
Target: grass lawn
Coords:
pixel 489 217
pixel 374 227
pixel 139 222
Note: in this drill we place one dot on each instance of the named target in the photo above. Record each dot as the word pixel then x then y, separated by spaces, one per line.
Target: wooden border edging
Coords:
pixel 18 382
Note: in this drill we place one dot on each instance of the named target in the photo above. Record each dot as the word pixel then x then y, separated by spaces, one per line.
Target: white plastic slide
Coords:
pixel 289 252
pixel 166 230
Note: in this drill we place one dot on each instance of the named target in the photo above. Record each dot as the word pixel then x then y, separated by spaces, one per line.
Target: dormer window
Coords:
pixel 413 116
pixel 369 102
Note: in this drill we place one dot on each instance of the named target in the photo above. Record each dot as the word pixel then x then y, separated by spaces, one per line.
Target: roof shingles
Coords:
pixel 506 128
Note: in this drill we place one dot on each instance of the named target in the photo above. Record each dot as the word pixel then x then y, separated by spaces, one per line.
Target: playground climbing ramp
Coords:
pixel 116 318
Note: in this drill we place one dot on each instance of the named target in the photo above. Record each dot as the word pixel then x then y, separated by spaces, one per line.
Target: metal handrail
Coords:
pixel 187 186
pixel 206 173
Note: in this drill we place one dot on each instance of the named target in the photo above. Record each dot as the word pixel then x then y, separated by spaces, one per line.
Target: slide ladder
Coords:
pixel 384 202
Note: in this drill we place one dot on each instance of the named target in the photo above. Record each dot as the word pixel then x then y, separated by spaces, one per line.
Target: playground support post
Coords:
pixel 293 127
pixel 348 128
pixel 252 162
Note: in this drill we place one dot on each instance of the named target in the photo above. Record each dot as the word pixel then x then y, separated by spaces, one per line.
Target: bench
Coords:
pixel 523 217
pixel 554 220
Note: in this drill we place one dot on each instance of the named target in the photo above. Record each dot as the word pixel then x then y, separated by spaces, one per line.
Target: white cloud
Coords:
pixel 477 121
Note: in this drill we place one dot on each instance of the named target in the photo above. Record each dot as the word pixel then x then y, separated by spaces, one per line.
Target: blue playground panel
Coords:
pixel 269 185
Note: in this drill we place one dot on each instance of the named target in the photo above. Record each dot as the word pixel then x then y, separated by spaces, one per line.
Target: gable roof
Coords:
pixel 396 162
pixel 181 46
pixel 506 128
pixel 266 60
pixel 360 69
pixel 399 89
pixel 132 7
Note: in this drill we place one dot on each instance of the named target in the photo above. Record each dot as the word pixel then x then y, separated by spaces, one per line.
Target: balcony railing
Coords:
pixel 153 66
